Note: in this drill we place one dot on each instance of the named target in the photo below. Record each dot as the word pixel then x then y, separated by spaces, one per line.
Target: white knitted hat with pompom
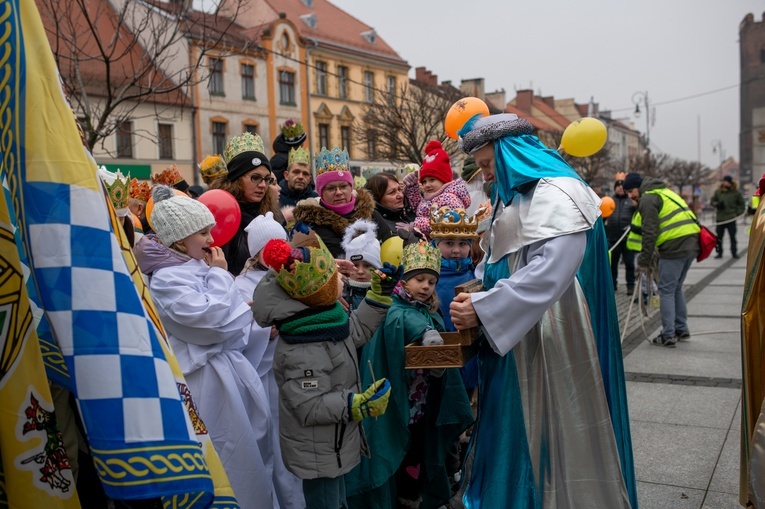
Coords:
pixel 175 217
pixel 360 243
pixel 261 230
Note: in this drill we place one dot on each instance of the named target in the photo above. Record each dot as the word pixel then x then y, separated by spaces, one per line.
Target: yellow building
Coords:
pixel 346 63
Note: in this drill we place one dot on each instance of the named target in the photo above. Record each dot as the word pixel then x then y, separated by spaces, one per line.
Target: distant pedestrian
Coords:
pixel 729 204
pixel 664 222
pixel 616 224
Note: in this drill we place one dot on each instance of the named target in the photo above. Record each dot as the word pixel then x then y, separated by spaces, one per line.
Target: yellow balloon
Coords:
pixel 391 250
pixel 584 137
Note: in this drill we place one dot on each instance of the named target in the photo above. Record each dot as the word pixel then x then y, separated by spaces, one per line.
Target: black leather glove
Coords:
pixel 389 277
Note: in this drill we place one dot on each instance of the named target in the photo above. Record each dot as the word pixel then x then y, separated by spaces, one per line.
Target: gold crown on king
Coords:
pixel 247 142
pixel 292 130
pixel 117 187
pixel 168 177
pixel 299 155
pixel 140 190
pixel 308 280
pixel 331 160
pixel 446 223
pixel 212 167
pixel 421 256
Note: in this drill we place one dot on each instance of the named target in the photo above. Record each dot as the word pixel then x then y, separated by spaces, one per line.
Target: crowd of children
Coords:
pixel 288 359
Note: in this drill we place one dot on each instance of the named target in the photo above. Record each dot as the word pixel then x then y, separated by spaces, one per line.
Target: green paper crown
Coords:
pixel 299 155
pixel 421 256
pixel 116 187
pixel 309 277
pixel 247 142
pixel 292 130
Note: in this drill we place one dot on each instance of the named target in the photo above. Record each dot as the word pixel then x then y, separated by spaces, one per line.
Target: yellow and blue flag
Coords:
pixel 144 435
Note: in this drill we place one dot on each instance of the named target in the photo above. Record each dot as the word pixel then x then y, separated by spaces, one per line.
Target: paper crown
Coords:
pixel 421 256
pixel 305 268
pixel 139 190
pixel 446 223
pixel 170 176
pixel 116 186
pixel 293 132
pixel 247 142
pixel 331 160
pixel 299 155
pixel 212 167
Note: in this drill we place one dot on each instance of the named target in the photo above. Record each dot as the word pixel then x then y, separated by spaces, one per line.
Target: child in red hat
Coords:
pixel 434 186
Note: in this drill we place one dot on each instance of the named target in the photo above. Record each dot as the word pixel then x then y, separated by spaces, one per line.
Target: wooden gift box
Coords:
pixel 457 349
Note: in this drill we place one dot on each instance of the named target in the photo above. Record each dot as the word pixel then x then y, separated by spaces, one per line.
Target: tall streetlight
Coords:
pixel 717 148
pixel 638 98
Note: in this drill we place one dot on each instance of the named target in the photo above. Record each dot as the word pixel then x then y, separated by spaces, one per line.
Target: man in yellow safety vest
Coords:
pixel 664 222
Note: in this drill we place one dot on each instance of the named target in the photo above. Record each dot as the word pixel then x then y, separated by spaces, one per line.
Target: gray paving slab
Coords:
pixel 697 274
pixel 726 476
pixel 733 274
pixel 661 496
pixel 686 405
pixel 711 304
pixel 715 500
pixel 676 455
pixel 732 291
pixel 684 360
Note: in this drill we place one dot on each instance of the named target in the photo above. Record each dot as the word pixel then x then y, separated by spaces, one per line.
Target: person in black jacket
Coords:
pixel 616 224
pixel 292 136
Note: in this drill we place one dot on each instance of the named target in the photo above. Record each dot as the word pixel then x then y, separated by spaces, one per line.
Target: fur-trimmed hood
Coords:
pixel 312 213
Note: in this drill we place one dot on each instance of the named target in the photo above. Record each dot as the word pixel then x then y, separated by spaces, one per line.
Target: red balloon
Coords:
pixel 226 212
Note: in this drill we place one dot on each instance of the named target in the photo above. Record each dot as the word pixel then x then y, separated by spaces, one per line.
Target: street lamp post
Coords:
pixel 638 98
pixel 717 148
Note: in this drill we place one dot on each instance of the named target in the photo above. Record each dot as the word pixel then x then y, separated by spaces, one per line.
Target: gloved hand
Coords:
pixel 371 403
pixel 384 281
pixel 412 179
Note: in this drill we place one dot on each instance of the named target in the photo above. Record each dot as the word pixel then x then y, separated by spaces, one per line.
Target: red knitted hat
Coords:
pixel 436 163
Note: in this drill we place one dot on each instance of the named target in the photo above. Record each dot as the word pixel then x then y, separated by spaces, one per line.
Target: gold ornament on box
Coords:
pixel 247 142
pixel 139 190
pixel 170 176
pixel 212 167
pixel 421 256
pixel 299 155
pixel 446 223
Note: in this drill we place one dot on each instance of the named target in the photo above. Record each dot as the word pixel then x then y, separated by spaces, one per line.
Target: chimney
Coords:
pixel 549 100
pixel 423 75
pixel 523 100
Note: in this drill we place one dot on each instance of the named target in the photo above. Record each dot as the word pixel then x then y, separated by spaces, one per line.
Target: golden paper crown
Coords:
pixel 313 282
pixel 299 155
pixel 247 142
pixel 116 186
pixel 421 256
pixel 446 223
pixel 212 167
pixel 168 177
pixel 139 190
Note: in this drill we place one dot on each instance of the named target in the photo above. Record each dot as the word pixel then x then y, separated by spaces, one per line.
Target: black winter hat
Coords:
pixel 632 181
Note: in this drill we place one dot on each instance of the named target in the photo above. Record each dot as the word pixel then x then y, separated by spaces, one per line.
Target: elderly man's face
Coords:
pixel 484 158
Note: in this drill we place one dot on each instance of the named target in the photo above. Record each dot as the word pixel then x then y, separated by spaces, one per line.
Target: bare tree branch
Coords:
pixel 115 56
pixel 399 127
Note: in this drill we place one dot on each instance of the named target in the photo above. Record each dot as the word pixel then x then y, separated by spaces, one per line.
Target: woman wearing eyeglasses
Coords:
pixel 338 204
pixel 248 179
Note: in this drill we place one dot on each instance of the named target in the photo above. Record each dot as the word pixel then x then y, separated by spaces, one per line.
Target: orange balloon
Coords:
pixel 607 206
pixel 150 205
pixel 462 111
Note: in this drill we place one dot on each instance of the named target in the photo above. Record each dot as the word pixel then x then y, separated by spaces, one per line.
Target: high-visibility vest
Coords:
pixel 676 220
pixel 754 202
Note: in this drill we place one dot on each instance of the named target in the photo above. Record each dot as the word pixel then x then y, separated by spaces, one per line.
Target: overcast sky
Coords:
pixel 608 49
